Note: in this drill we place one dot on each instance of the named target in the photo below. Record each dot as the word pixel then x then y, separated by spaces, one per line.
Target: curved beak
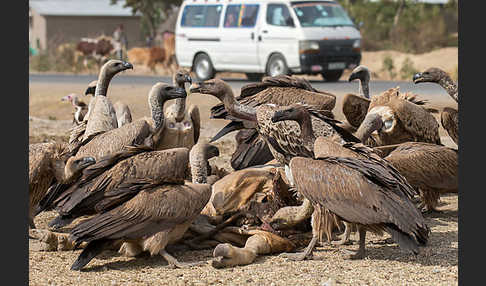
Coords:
pixel 187 78
pixel 418 77
pixel 127 65
pixel 90 90
pixel 177 92
pixel 278 116
pixel 352 77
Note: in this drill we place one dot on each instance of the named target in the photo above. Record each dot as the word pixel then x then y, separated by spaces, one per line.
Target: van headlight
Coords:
pixel 357 45
pixel 308 47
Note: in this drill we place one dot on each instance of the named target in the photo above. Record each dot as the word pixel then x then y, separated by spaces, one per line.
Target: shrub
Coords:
pixel 388 66
pixel 408 70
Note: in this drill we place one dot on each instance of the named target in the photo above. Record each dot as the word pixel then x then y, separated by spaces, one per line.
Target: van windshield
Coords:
pixel 321 14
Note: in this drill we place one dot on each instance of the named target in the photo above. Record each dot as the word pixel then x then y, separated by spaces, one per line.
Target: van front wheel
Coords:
pixel 332 75
pixel 277 65
pixel 203 68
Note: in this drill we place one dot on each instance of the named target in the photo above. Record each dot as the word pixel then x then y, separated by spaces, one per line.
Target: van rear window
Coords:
pixel 201 15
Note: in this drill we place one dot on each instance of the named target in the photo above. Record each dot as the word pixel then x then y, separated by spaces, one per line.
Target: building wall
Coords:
pixel 38 30
pixel 61 29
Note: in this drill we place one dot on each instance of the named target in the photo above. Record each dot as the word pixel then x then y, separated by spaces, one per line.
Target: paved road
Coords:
pixel 425 90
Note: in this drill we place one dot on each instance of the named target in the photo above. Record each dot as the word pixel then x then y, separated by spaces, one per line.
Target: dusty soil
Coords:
pixel 385 264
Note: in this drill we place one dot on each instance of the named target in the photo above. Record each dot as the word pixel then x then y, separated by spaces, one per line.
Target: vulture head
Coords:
pixel 360 72
pixel 181 77
pixel 429 75
pixel 75 165
pixel 162 92
pixel 215 87
pixel 72 98
pixel 91 88
pixel 294 112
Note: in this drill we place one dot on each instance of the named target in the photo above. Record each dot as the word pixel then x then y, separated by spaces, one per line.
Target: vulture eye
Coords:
pixel 388 124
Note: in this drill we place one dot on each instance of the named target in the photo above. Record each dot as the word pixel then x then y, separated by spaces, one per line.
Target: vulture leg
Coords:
pixel 315 236
pixel 430 200
pixel 361 250
pixel 175 263
pixel 345 235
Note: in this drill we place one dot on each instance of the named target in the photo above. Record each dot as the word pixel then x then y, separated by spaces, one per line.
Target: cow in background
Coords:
pixel 100 49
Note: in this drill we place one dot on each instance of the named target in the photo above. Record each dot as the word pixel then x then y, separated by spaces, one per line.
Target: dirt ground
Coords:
pixel 385 264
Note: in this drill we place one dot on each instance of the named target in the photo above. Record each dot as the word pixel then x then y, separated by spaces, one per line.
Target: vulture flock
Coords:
pixel 139 185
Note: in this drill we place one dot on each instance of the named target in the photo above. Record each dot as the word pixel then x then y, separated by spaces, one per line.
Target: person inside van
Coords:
pixel 230 21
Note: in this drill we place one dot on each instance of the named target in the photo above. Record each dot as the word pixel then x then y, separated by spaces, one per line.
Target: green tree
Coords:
pixel 153 11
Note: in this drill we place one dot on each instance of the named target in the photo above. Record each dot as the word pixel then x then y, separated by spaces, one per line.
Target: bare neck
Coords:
pixel 236 109
pixel 180 106
pixel 199 169
pixel 307 133
pixel 364 88
pixel 103 81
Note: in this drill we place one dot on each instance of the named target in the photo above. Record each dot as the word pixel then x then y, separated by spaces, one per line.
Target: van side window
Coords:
pixel 201 16
pixel 243 16
pixel 278 15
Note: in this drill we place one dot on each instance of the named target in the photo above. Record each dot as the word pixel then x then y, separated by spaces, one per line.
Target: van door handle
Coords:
pixel 252 35
pixel 264 31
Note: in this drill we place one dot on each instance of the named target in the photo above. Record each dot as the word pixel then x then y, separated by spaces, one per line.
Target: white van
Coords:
pixel 269 37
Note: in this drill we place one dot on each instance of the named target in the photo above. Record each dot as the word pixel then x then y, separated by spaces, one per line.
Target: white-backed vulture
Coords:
pixel 355 106
pixel 182 126
pixel 402 119
pixel 367 192
pixel 47 165
pixel 138 131
pixel 157 215
pixel 431 168
pixel 449 117
pixel 93 192
pixel 101 115
pixel 80 108
pixel 122 111
pixel 283 138
pixel 280 90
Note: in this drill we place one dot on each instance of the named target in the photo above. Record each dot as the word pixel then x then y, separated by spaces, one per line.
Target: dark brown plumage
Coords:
pixel 155 216
pixel 283 138
pixel 403 119
pixel 367 192
pixel 449 116
pixel 280 90
pixel 355 106
pixel 48 165
pixel 117 178
pixel 429 167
